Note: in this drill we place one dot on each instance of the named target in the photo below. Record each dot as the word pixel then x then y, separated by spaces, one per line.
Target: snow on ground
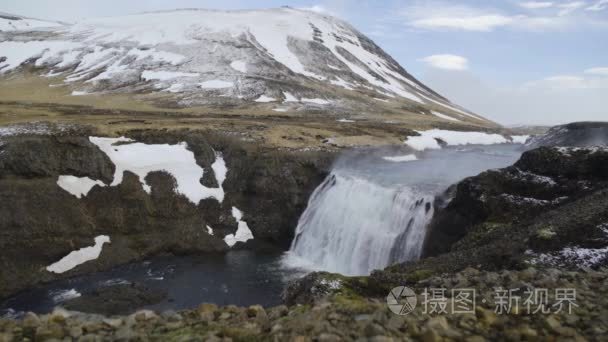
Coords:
pixel 443 116
pixel 289 97
pixel 239 66
pixel 80 256
pixel 579 256
pixel 280 109
pixel 220 169
pixel 427 139
pixel 164 75
pixel 79 93
pixel 520 139
pixel 175 88
pixel 216 84
pixel 209 230
pixel 24 24
pixel 264 99
pixel 345 120
pixel 78 186
pixel 532 177
pixel 399 159
pixel 16 53
pixel 176 160
pixel 243 233
pixel 342 83
pixel 316 101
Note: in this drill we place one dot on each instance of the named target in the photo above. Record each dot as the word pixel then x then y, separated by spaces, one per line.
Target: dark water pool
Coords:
pixel 240 277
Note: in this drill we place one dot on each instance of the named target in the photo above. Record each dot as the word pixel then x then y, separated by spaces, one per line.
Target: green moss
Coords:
pixel 419 275
pixel 353 304
pixel 546 233
pixel 182 334
pixel 240 335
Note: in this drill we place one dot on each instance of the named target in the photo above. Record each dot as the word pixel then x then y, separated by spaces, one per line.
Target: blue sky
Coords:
pixel 525 62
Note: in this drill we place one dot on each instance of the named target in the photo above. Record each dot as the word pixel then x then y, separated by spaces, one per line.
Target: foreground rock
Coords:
pixel 270 187
pixel 550 199
pixel 343 315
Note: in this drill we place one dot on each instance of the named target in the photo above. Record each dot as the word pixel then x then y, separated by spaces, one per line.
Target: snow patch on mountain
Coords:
pixel 432 139
pixel 289 97
pixel 443 116
pixel 239 55
pixel 216 84
pixel 17 23
pixel 264 99
pixel 166 75
pixel 239 66
pixel 316 101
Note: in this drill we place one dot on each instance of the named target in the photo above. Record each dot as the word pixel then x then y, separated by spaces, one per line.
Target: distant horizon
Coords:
pixel 513 63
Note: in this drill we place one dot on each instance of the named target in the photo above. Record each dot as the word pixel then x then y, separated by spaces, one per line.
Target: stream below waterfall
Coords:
pixel 368 213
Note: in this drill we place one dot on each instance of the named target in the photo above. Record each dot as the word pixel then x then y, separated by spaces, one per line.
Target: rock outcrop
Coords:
pixel 43 220
pixel 543 180
pixel 576 134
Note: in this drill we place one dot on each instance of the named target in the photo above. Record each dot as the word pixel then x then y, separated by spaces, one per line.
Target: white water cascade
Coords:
pixel 353 226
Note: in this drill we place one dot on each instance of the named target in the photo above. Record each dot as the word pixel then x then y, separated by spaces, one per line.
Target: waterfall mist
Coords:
pixel 372 212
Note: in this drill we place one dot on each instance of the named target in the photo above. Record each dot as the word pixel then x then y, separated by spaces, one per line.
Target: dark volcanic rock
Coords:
pixel 40 219
pixel 578 134
pixel 116 300
pixel 543 179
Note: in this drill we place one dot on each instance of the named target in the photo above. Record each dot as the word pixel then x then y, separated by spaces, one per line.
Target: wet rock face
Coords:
pixel 578 134
pixel 542 180
pixel 43 221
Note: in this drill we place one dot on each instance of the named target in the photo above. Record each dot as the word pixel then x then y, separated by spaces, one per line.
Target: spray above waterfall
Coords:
pixel 371 211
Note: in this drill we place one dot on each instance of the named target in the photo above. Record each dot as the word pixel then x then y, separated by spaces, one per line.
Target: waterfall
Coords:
pixel 353 226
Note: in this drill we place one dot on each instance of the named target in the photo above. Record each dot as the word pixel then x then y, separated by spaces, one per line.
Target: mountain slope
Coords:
pixel 284 60
pixel 9 22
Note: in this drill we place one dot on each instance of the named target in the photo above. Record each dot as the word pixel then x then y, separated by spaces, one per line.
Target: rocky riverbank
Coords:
pixel 342 315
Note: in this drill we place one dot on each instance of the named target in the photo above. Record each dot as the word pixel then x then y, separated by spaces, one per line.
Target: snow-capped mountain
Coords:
pixel 9 22
pixel 285 59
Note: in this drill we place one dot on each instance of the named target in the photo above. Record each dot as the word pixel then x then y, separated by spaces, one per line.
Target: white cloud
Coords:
pixel 542 23
pixel 447 62
pixel 536 4
pixel 439 15
pixel 599 71
pixel 316 8
pixel 435 15
pixel 483 23
pixel 598 6
pixel 569 7
pixel 555 100
pixel 559 82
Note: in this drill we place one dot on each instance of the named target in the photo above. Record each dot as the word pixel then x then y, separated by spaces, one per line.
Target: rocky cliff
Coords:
pixel 42 222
